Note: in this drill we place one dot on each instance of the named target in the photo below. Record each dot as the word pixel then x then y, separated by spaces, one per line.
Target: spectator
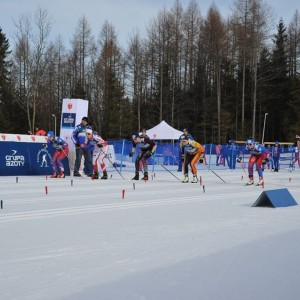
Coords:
pixel 233 152
pixel 38 131
pixel 80 140
pixel 275 156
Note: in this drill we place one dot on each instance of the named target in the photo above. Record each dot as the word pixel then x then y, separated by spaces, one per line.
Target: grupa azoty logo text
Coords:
pixel 14 160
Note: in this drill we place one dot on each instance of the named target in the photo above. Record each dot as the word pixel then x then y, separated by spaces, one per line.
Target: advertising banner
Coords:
pixel 24 155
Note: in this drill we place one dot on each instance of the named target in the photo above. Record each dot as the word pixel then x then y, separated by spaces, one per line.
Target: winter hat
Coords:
pixel 89 130
pixel 250 142
pixel 50 134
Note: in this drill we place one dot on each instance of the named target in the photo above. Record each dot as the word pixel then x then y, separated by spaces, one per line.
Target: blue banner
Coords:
pixel 68 120
pixel 21 158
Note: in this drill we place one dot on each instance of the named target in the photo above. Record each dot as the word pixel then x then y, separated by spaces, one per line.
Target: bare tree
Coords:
pixel 214 35
pixel 83 43
pixel 294 45
pixel 135 61
pixel 30 62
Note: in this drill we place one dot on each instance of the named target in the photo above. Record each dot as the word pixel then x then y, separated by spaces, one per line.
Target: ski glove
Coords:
pixel 263 162
pixel 148 154
pixel 182 157
pixel 201 159
pixel 77 145
pixel 99 145
pixel 239 159
pixel 130 154
pixel 44 145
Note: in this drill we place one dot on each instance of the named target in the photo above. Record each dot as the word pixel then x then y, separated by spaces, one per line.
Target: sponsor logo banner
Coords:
pixel 68 120
pixel 14 159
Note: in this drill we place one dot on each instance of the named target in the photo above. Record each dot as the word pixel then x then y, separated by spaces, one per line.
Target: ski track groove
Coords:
pixel 109 207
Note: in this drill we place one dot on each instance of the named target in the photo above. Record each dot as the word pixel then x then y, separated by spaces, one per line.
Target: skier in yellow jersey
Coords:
pixel 193 152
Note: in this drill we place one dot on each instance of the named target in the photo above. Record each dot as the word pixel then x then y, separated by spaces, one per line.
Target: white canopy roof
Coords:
pixel 163 131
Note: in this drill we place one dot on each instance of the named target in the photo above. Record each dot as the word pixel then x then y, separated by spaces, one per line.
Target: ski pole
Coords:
pixel 112 164
pixel 170 172
pixel 242 166
pixel 215 174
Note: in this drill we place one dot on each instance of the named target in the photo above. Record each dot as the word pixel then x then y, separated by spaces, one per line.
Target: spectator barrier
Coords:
pixel 24 155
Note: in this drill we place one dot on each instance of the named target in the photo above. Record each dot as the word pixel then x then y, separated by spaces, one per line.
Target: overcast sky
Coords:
pixel 126 16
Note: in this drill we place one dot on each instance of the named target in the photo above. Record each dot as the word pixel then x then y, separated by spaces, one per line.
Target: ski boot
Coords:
pixel 261 181
pixel 61 175
pixel 145 176
pixel 251 181
pixel 136 177
pixel 104 175
pixel 185 179
pixel 54 175
pixel 195 179
pixel 96 175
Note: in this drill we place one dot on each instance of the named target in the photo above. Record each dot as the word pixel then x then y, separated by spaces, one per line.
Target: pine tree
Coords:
pixel 280 83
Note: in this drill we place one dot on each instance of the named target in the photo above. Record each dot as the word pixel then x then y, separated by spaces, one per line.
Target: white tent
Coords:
pixel 163 131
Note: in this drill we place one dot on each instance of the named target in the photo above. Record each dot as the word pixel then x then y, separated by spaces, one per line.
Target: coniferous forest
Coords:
pixel 221 78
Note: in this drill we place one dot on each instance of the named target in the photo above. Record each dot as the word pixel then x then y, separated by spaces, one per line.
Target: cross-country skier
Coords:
pixel 185 133
pixel 147 148
pixel 257 157
pixel 61 152
pixel 193 152
pixel 99 148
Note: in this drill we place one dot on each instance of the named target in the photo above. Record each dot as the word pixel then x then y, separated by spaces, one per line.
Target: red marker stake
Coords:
pixel 46 190
pixel 123 194
pixel 242 177
pixel 290 179
pixel 200 180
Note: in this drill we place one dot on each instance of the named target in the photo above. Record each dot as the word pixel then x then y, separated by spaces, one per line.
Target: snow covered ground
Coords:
pixel 164 240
